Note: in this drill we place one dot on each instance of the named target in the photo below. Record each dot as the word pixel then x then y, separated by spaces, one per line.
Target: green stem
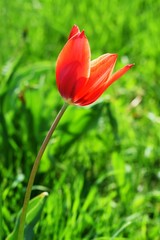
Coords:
pixel 34 171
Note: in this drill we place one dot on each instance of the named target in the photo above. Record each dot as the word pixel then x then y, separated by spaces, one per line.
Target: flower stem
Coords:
pixel 34 171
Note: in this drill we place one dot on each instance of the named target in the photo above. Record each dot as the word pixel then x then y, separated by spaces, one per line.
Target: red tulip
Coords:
pixel 81 81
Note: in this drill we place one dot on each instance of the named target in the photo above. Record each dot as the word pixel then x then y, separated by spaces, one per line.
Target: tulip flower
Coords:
pixel 81 81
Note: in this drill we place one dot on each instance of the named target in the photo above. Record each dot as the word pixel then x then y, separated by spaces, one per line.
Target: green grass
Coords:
pixel 102 166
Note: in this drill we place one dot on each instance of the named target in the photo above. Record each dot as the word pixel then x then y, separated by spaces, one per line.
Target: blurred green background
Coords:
pixel 102 166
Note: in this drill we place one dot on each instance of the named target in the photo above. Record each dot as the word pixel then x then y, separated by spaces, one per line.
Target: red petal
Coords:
pixel 101 69
pixel 72 67
pixel 97 91
pixel 118 74
pixel 74 31
pixel 90 98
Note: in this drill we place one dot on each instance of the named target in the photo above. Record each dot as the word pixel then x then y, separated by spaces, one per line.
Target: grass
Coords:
pixel 102 166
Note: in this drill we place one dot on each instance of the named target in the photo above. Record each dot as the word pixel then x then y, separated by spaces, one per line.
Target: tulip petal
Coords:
pixel 97 91
pixel 73 65
pixel 74 31
pixel 101 69
pixel 118 74
pixel 89 99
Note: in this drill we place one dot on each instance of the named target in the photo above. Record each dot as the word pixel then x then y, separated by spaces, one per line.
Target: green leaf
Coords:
pixel 33 215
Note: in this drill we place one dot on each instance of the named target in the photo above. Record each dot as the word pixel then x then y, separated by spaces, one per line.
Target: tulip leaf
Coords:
pixel 33 215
